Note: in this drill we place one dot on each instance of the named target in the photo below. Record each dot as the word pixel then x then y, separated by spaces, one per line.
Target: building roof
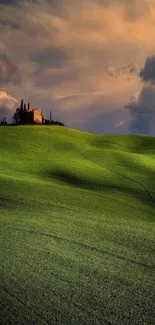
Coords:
pixel 32 109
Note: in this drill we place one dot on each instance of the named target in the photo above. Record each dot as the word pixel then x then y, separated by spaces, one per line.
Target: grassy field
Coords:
pixel 77 215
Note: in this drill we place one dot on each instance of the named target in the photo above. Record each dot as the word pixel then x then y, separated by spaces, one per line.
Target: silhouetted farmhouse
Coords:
pixel 30 116
pixel 27 116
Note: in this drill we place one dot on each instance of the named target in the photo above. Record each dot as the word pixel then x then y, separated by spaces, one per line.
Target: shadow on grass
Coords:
pixel 76 181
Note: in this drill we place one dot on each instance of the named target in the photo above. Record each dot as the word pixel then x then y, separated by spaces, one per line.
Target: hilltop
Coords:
pixel 77 222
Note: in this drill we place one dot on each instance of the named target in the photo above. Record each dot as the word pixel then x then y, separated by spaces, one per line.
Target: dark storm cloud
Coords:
pixel 46 78
pixel 9 72
pixel 142 111
pixel 141 120
pixel 148 72
pixel 53 68
pixel 142 108
pixel 50 57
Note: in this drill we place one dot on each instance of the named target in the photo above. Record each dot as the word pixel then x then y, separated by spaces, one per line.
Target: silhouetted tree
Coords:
pixel 21 111
pixel 47 121
pixel 13 119
pixel 54 123
pixel 24 107
pixel 21 105
pixel 42 116
pixel 50 116
pixel 3 121
pixel 16 116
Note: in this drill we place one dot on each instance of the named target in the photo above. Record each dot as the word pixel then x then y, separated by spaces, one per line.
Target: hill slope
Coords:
pixel 77 223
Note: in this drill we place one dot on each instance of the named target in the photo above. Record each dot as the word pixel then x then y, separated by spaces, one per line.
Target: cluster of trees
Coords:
pixel 3 121
pixel 18 115
pixel 52 122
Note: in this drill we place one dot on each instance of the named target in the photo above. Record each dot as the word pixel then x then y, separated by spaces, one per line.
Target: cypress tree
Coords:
pixel 50 116
pixel 42 116
pixel 21 111
pixel 24 107
pixel 21 105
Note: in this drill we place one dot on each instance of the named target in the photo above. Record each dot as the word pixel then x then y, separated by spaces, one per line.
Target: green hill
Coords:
pixel 77 227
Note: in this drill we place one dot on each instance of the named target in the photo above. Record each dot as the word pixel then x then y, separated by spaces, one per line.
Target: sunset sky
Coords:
pixel 91 61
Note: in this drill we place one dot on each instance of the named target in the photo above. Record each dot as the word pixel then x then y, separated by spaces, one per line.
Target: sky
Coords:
pixel 92 62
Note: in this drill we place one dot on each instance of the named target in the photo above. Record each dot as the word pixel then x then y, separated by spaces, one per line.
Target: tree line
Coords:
pixel 18 117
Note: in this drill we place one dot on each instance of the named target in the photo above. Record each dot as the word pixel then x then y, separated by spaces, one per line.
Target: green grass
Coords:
pixel 77 228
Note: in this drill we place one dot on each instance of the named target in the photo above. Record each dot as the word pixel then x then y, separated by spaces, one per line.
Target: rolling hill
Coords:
pixel 77 214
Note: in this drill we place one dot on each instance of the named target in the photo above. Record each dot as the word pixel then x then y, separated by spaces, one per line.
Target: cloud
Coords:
pixel 142 111
pixel 54 77
pixel 121 122
pixel 72 55
pixel 136 9
pixel 105 122
pixel 148 72
pixel 125 70
pixel 142 105
pixel 7 104
pixel 50 57
pixel 9 72
pixel 4 23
